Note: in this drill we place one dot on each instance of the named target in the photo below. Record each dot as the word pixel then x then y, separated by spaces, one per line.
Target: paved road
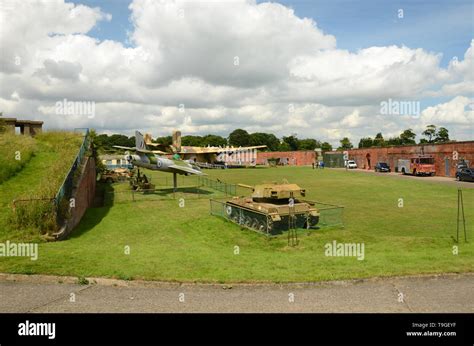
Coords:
pixel 445 293
pixel 435 179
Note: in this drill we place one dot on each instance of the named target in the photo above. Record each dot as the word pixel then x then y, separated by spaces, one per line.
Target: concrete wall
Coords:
pixel 443 154
pixel 27 127
pixel 35 129
pixel 294 158
pixel 84 197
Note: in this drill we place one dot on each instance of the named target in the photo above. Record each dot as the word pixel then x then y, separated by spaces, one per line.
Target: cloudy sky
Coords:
pixel 317 69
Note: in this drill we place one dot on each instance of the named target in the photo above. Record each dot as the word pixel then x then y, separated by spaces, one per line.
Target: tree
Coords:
pixel 284 147
pixel 99 166
pixel 213 141
pixel 166 140
pixel 407 137
pixel 292 142
pixel 268 139
pixel 239 138
pixel 442 135
pixel 394 141
pixel 325 146
pixel 121 140
pixel 308 144
pixel 378 140
pixel 366 142
pixel 192 141
pixel 345 144
pixel 429 132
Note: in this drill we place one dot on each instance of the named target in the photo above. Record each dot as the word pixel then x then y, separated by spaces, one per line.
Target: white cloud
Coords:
pixel 237 43
pixel 460 110
pixel 352 120
pixel 184 53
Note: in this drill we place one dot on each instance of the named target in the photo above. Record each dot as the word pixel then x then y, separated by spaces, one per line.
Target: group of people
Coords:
pixel 319 164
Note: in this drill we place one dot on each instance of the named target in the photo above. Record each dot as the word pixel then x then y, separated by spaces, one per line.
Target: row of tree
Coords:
pixel 241 138
pixel 237 138
pixel 407 137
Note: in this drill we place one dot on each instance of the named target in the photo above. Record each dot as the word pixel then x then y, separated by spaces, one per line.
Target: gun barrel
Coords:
pixel 246 186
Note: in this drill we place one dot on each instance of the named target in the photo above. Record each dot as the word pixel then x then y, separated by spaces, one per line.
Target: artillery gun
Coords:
pixel 140 182
pixel 273 208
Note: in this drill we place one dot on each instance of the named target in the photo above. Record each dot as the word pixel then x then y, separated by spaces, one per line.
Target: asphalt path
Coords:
pixel 434 179
pixel 50 294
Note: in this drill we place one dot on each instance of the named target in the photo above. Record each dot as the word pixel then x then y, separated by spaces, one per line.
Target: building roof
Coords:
pixel 22 122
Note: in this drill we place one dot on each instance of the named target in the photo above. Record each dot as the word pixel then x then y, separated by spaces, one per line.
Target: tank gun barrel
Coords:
pixel 246 186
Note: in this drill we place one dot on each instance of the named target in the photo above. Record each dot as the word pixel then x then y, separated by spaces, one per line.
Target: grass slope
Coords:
pixel 15 152
pixel 187 244
pixel 40 177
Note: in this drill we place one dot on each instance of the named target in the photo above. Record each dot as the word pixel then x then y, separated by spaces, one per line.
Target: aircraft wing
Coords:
pixel 141 150
pixel 185 170
pixel 158 145
pixel 216 150
pixel 243 148
pixel 125 148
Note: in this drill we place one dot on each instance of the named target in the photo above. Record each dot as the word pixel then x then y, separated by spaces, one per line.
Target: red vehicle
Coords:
pixel 418 165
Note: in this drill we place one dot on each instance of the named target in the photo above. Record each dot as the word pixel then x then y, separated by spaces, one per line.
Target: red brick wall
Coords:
pixel 295 158
pixel 84 197
pixel 442 153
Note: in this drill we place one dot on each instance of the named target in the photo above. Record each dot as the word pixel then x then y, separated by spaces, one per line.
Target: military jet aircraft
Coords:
pixel 152 159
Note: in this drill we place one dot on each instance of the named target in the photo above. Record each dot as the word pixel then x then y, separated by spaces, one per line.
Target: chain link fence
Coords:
pixel 129 195
pixel 216 184
pixel 190 187
pixel 68 184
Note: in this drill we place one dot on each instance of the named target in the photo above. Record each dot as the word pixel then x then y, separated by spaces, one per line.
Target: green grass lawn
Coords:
pixel 168 242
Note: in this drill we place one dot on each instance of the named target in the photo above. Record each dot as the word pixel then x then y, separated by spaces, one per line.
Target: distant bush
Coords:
pixel 15 152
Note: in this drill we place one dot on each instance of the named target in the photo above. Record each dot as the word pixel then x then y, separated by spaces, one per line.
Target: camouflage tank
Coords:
pixel 272 209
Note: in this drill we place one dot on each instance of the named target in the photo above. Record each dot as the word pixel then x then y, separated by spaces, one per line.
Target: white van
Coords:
pixel 351 164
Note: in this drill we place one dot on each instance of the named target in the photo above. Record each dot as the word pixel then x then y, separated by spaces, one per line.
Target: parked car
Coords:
pixel 461 165
pixel 382 167
pixel 351 164
pixel 465 174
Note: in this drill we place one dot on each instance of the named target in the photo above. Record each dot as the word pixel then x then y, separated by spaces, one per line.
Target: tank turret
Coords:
pixel 274 191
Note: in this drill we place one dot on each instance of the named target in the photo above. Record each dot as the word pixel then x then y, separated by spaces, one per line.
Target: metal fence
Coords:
pixel 67 185
pixel 228 189
pixel 157 194
pixel 330 216
pixel 334 160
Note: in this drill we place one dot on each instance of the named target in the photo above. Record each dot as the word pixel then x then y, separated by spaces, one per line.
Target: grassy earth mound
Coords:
pixel 38 178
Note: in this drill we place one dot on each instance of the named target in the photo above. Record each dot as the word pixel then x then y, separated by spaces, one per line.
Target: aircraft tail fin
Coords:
pixel 140 141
